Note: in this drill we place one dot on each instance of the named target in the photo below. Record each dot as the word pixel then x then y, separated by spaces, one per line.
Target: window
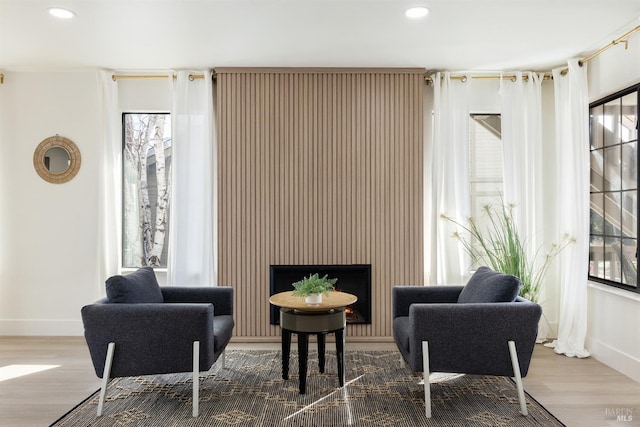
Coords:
pixel 485 166
pixel 146 157
pixel 485 162
pixel 613 235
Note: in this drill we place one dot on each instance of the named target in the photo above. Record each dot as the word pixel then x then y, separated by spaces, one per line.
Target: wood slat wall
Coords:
pixel 318 166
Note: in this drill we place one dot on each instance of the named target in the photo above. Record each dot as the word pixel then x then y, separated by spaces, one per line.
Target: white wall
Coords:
pixel 48 248
pixel 614 70
pixel 614 315
pixel 48 232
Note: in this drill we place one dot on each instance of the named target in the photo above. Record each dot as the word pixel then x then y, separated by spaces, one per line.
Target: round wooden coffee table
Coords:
pixel 296 316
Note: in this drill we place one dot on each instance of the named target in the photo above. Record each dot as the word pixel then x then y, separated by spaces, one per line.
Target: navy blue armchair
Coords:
pixel 436 332
pixel 186 332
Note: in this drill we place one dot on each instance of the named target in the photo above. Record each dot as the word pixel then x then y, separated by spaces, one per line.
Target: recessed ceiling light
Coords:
pixel 61 13
pixel 416 12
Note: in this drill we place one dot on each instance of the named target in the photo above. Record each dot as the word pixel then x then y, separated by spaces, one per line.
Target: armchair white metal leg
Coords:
pixel 196 378
pixel 517 378
pixel 427 385
pixel 105 376
pixel 223 356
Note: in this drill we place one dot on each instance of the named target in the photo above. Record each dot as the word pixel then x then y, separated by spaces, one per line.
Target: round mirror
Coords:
pixel 57 159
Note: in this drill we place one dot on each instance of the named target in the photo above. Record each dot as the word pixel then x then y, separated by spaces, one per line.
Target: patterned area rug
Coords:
pixel 250 391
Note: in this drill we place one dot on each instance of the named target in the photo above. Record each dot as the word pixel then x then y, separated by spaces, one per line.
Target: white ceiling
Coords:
pixel 457 35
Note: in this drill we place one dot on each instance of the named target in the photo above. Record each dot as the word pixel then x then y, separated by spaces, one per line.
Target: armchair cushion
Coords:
pixel 138 287
pixel 487 286
pixel 402 333
pixel 222 331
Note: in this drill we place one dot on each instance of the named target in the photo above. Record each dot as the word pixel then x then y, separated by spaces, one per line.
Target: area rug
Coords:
pixel 250 391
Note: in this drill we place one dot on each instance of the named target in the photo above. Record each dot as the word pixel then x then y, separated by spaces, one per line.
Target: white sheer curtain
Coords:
pixel 448 192
pixel 193 218
pixel 572 155
pixel 110 184
pixel 522 146
pixel 522 153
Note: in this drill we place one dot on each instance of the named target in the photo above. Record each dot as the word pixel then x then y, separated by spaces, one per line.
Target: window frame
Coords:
pixel 602 102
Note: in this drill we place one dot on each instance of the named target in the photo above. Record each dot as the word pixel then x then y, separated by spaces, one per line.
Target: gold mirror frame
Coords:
pixel 57 142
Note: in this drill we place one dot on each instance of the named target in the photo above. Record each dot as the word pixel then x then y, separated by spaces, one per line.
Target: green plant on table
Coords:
pixel 313 285
pixel 500 246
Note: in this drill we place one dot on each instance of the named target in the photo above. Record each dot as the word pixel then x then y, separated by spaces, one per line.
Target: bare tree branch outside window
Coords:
pixel 146 189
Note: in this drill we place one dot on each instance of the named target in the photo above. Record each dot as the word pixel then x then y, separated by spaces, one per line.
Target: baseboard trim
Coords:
pixel 41 327
pixel 614 358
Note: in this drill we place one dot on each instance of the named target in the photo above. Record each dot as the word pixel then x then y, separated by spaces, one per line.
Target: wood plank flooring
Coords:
pixel 580 392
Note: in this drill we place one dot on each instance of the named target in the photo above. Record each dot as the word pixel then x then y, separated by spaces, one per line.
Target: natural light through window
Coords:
pixel 613 234
pixel 146 188
pixel 625 132
pixel 14 371
pixel 485 162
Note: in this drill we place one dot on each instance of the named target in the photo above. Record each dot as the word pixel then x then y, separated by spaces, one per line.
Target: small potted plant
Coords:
pixel 313 287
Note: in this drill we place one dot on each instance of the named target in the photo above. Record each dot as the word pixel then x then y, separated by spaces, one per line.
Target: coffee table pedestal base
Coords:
pixel 316 323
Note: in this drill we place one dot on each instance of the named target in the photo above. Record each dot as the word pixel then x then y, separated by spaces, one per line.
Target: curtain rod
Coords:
pixel 622 39
pixel 427 79
pixel 464 78
pixel 116 77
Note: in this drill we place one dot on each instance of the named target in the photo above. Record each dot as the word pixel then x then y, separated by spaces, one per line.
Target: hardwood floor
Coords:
pixel 580 392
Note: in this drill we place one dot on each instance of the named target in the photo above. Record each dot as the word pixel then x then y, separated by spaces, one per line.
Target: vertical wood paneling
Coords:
pixel 318 167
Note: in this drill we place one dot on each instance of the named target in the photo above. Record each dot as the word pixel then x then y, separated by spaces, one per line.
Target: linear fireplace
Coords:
pixel 352 278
